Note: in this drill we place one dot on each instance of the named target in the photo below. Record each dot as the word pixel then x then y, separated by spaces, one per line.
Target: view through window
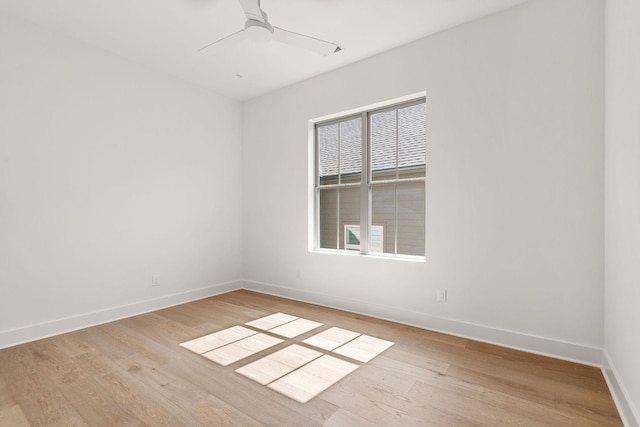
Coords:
pixel 370 169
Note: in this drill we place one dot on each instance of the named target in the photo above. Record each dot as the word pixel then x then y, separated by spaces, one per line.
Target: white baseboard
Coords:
pixel 29 333
pixel 533 344
pixel 629 414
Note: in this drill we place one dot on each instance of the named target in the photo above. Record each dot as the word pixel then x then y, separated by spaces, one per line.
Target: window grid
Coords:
pixel 366 183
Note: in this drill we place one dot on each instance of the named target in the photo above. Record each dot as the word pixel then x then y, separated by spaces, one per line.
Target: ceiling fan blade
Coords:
pixel 310 43
pixel 219 40
pixel 252 9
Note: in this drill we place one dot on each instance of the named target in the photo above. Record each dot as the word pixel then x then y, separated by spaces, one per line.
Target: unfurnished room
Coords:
pixel 319 213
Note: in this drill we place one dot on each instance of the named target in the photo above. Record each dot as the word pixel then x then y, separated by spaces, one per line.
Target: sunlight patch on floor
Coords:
pixel 296 371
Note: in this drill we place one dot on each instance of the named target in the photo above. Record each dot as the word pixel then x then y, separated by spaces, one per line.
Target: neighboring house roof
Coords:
pixel 346 136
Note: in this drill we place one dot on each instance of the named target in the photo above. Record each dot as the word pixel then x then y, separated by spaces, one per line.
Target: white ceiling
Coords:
pixel 166 34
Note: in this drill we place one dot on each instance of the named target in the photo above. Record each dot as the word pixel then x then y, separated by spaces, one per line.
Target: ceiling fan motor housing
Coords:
pixel 258 31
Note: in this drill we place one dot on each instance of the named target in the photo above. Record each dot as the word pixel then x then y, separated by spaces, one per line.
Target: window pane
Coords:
pixel 411 141
pixel 351 150
pixel 328 221
pixel 383 132
pixel 349 210
pixel 328 153
pixel 400 210
pixel 383 213
pixel 411 216
pixel 338 207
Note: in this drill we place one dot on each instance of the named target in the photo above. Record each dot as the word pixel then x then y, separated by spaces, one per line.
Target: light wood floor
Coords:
pixel 132 372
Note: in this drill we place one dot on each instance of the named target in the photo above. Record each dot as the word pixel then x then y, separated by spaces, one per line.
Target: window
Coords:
pixel 370 169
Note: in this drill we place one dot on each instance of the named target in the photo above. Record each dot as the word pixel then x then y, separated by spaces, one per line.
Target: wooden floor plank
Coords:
pixel 214 412
pixel 342 418
pixel 74 379
pixel 13 416
pixel 6 397
pixel 38 396
pixel 365 398
pixel 133 372
pixel 247 396
pixel 569 372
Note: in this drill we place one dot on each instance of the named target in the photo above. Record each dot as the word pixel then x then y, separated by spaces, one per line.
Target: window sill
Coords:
pixel 409 258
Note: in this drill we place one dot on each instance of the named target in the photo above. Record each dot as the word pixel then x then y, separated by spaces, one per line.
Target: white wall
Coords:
pixel 622 205
pixel 109 173
pixel 514 182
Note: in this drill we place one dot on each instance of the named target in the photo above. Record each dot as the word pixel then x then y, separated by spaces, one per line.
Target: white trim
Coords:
pixel 394 257
pixel 366 183
pixel 38 331
pixel 628 412
pixel 564 350
pixel 370 107
pixel 534 344
pixel 312 195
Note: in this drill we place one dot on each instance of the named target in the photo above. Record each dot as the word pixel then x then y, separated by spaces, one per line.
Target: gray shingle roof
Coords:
pixel 411 124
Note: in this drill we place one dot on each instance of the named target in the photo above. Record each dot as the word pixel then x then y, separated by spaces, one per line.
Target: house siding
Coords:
pixel 411 216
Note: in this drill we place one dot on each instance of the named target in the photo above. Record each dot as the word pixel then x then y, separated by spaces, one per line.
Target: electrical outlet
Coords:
pixel 155 280
pixel 441 295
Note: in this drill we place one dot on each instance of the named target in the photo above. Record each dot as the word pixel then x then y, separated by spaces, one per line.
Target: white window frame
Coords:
pixel 366 183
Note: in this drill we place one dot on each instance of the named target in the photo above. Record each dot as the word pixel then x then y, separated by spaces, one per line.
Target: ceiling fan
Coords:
pixel 258 28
